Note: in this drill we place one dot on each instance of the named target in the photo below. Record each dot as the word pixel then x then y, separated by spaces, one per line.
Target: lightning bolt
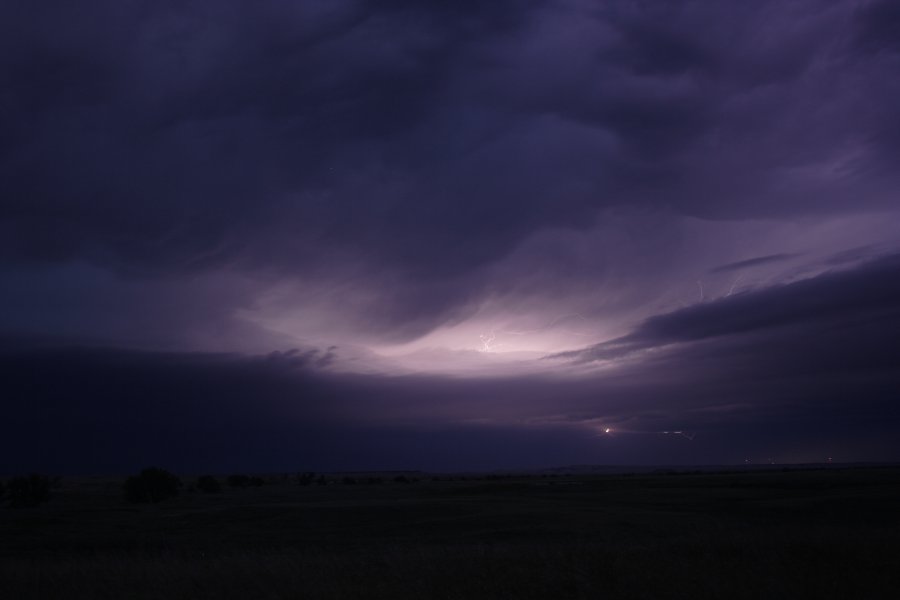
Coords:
pixel 487 341
pixel 702 292
pixel 733 285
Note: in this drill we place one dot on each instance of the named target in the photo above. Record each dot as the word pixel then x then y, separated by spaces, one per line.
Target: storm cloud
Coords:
pixel 870 291
pixel 422 199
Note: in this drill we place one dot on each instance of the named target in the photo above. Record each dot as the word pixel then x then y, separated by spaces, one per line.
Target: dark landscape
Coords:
pixel 811 532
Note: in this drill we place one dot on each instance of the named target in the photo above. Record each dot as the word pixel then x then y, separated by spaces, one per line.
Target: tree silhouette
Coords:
pixel 151 485
pixel 28 491
pixel 238 481
pixel 208 484
pixel 305 478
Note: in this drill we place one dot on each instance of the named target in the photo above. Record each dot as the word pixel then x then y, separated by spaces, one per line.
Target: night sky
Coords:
pixel 448 234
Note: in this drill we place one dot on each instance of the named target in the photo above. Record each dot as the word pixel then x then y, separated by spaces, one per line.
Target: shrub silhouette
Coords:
pixel 151 485
pixel 28 491
pixel 305 478
pixel 2 489
pixel 238 481
pixel 208 484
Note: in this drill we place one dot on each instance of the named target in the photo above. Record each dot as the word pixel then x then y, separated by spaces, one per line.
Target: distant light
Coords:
pixel 607 430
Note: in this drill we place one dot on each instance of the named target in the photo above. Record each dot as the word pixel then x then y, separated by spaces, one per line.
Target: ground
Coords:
pixel 818 533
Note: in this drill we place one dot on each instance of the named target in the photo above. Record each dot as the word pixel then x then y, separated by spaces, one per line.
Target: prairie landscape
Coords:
pixel 818 533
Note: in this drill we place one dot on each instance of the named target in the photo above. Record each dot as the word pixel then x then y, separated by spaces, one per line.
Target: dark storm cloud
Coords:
pixel 405 146
pixel 297 359
pixel 806 366
pixel 852 255
pixel 180 133
pixel 262 175
pixel 428 136
pixel 877 24
pixel 868 291
pixel 105 410
pixel 752 262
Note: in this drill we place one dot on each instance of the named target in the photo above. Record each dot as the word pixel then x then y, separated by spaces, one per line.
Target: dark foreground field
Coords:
pixel 798 534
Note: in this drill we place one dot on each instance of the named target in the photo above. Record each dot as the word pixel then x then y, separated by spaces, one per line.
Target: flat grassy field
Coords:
pixel 831 533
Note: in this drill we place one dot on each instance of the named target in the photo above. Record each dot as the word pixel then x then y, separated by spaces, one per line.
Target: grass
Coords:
pixel 797 534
